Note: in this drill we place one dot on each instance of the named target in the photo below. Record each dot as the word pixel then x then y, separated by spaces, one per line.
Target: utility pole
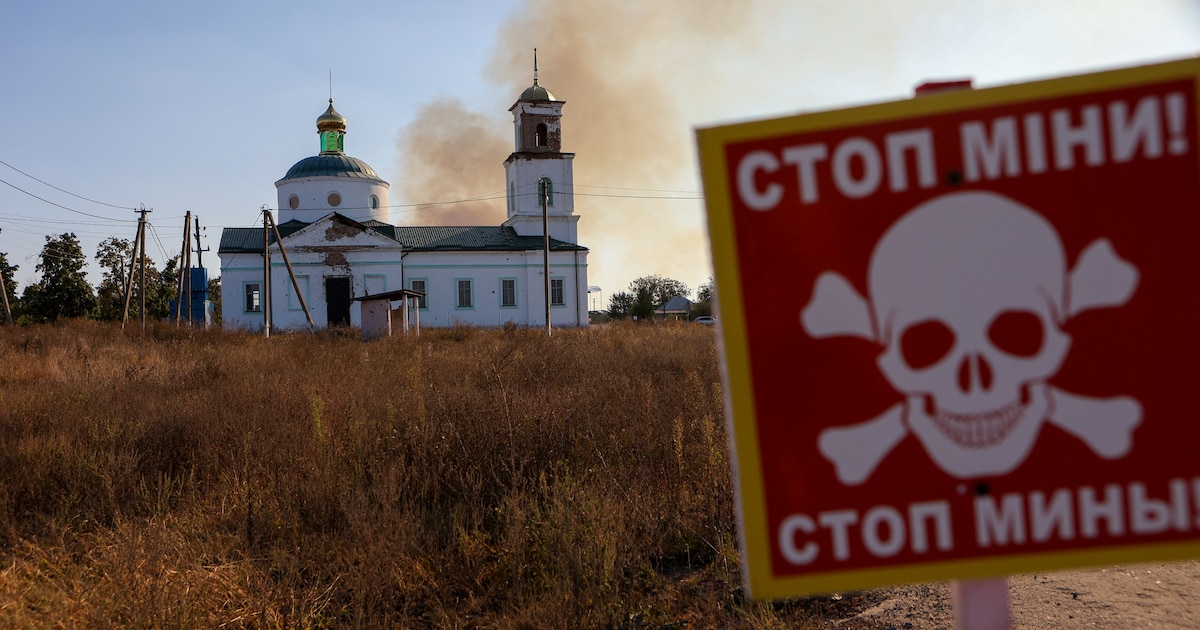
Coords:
pixel 199 251
pixel 266 290
pixel 4 293
pixel 291 273
pixel 544 191
pixel 186 267
pixel 139 244
pixel 183 256
pixel 142 260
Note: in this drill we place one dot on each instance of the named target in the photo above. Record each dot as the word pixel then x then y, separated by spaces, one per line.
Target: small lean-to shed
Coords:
pixel 377 312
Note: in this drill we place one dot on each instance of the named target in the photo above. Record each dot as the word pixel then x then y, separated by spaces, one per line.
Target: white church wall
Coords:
pixel 240 272
pixel 327 249
pixel 525 172
pixel 487 273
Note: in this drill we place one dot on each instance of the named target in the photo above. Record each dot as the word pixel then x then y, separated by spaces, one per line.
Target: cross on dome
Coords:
pixel 535 92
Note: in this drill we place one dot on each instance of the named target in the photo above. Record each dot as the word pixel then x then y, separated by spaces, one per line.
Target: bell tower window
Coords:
pixel 546 187
pixel 540 136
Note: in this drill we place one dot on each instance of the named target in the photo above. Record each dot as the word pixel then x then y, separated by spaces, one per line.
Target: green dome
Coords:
pixel 536 93
pixel 331 165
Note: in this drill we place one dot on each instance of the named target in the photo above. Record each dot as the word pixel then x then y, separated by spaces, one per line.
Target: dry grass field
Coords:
pixel 466 478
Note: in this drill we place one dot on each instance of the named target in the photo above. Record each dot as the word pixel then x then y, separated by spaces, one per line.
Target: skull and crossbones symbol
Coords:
pixel 968 294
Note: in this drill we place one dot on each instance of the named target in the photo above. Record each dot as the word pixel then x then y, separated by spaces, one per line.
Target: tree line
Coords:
pixel 647 295
pixel 63 291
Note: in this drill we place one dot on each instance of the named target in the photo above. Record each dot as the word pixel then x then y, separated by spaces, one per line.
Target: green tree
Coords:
pixel 214 296
pixel 659 289
pixel 643 305
pixel 704 297
pixel 114 256
pixel 63 290
pixel 706 292
pixel 620 304
pixel 162 287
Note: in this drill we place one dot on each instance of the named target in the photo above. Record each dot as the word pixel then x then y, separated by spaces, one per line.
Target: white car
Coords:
pixel 706 320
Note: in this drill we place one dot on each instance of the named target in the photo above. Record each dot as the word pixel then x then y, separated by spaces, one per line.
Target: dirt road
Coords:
pixel 1163 595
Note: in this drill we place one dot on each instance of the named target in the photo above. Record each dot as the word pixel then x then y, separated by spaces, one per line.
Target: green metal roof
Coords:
pixel 331 165
pixel 536 94
pixel 474 238
pixel 414 238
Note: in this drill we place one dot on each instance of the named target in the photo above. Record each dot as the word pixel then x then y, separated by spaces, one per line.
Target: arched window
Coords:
pixel 539 136
pixel 549 187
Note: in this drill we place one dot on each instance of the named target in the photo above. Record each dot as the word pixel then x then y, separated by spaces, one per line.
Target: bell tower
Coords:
pixel 538 164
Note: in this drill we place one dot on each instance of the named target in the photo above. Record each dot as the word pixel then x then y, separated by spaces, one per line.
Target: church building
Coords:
pixel 334 221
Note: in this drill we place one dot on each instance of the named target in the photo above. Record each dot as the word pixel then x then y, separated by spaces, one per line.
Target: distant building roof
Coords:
pixel 412 238
pixel 677 304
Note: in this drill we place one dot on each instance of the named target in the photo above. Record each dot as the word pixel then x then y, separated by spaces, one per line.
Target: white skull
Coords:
pixel 967 294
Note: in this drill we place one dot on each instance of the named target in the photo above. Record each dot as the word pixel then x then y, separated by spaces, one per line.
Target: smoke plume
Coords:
pixel 618 66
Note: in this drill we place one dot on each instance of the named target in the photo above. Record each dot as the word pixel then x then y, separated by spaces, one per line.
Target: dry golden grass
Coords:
pixel 468 478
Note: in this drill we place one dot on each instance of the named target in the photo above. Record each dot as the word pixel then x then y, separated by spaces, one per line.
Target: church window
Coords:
pixel 374 202
pixel 334 199
pixel 508 292
pixel 464 294
pixel 253 297
pixel 557 293
pixel 293 202
pixel 539 135
pixel 419 286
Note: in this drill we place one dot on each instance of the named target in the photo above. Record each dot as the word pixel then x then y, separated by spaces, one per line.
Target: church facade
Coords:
pixel 334 224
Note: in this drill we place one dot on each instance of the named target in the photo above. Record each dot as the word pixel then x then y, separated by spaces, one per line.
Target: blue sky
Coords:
pixel 203 106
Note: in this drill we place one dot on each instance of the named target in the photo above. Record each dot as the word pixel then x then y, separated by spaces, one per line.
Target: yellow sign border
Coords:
pixel 741 417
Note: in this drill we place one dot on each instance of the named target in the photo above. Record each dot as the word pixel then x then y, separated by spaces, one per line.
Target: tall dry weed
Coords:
pixel 474 478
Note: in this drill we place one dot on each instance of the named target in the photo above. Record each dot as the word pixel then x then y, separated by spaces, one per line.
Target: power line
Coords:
pixel 157 240
pixel 60 189
pixel 690 192
pixel 59 205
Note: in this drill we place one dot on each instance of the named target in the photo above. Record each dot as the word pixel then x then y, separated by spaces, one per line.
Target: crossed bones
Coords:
pixel 991 441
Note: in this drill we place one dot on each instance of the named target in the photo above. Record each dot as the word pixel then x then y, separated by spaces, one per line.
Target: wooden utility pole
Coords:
pixel 544 191
pixel 200 265
pixel 4 293
pixel 139 244
pixel 142 260
pixel 291 274
pixel 266 290
pixel 186 268
pixel 199 250
pixel 183 256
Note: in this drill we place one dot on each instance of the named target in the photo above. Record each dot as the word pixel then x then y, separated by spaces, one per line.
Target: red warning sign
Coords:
pixel 959 330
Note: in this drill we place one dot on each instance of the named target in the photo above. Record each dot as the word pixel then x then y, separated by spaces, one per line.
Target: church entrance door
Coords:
pixel 337 301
